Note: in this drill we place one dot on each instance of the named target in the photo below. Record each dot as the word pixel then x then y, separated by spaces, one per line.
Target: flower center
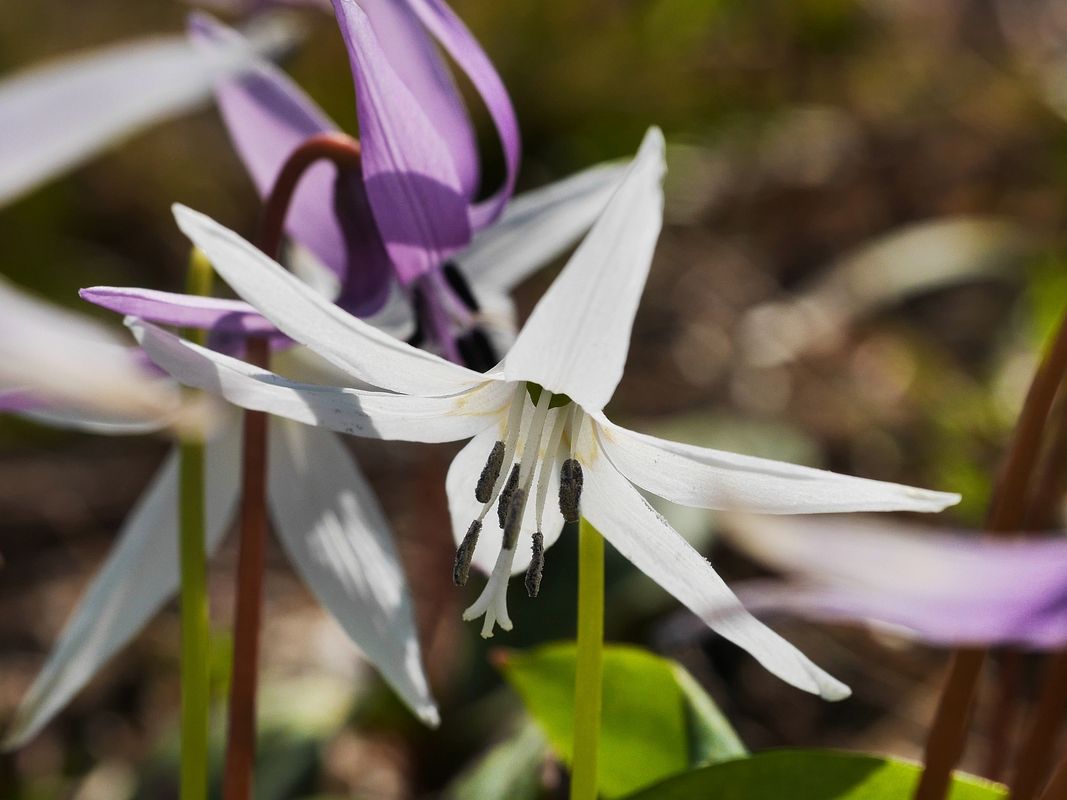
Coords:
pixel 537 444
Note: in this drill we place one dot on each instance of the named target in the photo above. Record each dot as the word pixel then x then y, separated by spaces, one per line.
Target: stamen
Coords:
pixel 483 492
pixel 461 569
pixel 458 284
pixel 570 490
pixel 418 303
pixel 477 351
pixel 514 519
pixel 537 565
pixel 504 504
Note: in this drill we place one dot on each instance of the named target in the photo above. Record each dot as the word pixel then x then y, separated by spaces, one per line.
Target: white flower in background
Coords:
pixel 536 420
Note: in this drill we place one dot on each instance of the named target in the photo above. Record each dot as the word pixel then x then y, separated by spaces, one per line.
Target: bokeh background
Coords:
pixel 863 251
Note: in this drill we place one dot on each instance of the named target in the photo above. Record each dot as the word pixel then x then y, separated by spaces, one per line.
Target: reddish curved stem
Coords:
pixel 241 737
pixel 1007 512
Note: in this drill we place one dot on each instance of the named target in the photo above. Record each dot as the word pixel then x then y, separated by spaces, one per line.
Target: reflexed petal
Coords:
pixel 90 422
pixel 56 116
pixel 268 116
pixel 333 529
pixel 463 476
pixel 537 226
pixel 299 311
pixel 181 310
pixel 454 36
pixel 705 478
pixel 623 517
pixel 578 335
pixel 72 362
pixel 138 577
pixel 945 588
pixel 413 186
pixel 374 415
pixel 418 64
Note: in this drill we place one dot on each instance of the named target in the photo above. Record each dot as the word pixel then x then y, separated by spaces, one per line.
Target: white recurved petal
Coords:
pixel 705 478
pixel 578 335
pixel 640 534
pixel 374 415
pixel 335 533
pixel 139 576
pixel 302 313
pixel 56 116
pixel 462 479
pixel 537 226
pixel 76 419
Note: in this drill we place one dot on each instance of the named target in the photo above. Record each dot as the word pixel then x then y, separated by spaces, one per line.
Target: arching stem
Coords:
pixel 588 676
pixel 1007 512
pixel 241 736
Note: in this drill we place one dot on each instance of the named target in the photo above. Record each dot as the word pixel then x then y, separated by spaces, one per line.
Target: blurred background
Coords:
pixel 863 251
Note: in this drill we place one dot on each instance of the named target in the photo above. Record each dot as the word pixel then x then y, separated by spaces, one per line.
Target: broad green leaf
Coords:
pixel 809 775
pixel 651 726
pixel 511 769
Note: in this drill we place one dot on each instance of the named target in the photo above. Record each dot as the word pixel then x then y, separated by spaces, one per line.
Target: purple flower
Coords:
pixel 944 588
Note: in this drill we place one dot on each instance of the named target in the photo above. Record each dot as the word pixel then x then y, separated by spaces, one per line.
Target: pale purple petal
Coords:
pixel 14 400
pixel 944 588
pixel 268 117
pixel 181 310
pixel 418 64
pixel 413 186
pixel 454 36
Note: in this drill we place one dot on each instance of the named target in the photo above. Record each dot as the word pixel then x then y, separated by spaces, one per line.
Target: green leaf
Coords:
pixel 656 721
pixel 511 769
pixel 810 775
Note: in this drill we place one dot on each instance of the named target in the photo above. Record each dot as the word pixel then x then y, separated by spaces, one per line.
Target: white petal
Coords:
pixel 74 363
pixel 577 337
pixel 375 415
pixel 462 478
pixel 139 576
pixel 537 226
pixel 56 116
pixel 705 478
pixel 91 422
pixel 634 528
pixel 302 313
pixel 333 529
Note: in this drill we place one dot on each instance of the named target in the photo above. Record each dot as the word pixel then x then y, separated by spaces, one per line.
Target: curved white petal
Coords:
pixel 537 226
pixel 374 415
pixel 463 508
pixel 138 577
pixel 56 116
pixel 91 422
pixel 705 478
pixel 302 313
pixel 634 528
pixel 578 335
pixel 335 533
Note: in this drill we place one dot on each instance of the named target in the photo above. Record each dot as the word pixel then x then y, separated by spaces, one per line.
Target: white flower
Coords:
pixel 536 414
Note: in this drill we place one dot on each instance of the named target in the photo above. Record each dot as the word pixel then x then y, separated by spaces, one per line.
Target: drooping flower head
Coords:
pixel 542 448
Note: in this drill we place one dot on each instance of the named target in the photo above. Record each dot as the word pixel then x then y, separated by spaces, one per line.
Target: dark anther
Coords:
pixel 537 565
pixel 461 569
pixel 514 520
pixel 483 492
pixel 458 284
pixel 504 503
pixel 570 490
pixel 418 303
pixel 476 350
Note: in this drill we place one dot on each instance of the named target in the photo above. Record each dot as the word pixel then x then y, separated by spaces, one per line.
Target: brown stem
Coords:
pixel 1036 751
pixel 241 739
pixel 1057 785
pixel 948 732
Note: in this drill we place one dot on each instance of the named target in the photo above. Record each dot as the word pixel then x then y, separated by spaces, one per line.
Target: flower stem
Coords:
pixel 1007 512
pixel 589 662
pixel 344 152
pixel 195 691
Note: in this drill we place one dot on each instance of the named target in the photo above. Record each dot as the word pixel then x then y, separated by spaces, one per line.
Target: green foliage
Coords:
pixel 511 769
pixel 656 721
pixel 809 775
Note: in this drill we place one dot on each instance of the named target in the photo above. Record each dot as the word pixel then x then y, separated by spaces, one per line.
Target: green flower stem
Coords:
pixel 195 630
pixel 589 662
